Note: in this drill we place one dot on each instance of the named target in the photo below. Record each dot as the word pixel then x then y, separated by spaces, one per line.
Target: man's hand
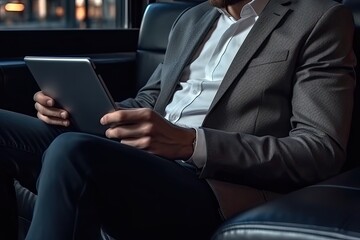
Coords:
pixel 48 113
pixel 145 129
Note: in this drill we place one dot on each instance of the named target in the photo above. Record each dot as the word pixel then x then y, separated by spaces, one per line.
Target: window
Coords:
pixel 53 14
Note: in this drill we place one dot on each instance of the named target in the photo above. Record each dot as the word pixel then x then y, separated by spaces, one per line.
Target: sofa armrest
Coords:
pixel 328 210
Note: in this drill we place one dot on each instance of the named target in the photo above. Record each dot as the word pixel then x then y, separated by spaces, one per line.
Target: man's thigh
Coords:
pixel 139 194
pixel 23 139
pixel 158 197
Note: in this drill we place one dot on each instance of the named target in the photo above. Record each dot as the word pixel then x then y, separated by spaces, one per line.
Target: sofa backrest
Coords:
pixel 153 37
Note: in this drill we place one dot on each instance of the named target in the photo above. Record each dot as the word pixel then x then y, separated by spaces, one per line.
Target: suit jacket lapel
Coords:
pixel 194 37
pixel 268 20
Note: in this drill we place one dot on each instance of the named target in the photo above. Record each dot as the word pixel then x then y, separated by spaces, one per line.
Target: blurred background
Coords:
pixel 79 14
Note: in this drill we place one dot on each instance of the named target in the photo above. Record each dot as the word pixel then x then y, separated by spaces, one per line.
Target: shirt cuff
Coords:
pixel 200 154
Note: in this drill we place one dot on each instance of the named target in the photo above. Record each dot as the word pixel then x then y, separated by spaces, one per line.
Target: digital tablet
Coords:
pixel 76 87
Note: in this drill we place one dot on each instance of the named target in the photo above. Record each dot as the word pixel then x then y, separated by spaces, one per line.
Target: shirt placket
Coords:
pixel 219 52
pixel 193 92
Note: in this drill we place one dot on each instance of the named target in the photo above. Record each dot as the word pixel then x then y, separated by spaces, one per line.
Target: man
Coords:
pixel 253 98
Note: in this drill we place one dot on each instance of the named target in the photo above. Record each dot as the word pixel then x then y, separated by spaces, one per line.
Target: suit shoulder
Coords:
pixel 315 9
pixel 201 7
pixel 319 6
pixel 196 12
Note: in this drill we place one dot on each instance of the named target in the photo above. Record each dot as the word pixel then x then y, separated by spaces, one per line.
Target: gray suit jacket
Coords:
pixel 281 117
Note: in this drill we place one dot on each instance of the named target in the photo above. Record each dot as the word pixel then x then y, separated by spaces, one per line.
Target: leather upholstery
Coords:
pixel 354 5
pixel 153 37
pixel 329 210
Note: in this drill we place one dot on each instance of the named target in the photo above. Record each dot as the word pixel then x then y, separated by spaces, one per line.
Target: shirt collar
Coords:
pixel 253 8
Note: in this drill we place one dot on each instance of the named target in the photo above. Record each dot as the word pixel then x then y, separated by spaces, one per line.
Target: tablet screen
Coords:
pixel 76 87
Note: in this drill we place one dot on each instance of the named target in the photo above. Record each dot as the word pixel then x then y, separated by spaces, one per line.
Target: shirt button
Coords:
pixel 173 118
pixel 195 91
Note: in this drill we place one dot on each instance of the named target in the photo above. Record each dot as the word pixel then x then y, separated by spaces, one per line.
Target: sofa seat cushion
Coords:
pixel 328 210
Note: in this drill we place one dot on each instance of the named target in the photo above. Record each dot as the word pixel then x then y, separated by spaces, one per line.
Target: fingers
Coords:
pixel 43 99
pixel 47 112
pixel 51 111
pixel 127 116
pixel 129 123
pixel 140 143
pixel 52 120
pixel 147 130
pixel 130 131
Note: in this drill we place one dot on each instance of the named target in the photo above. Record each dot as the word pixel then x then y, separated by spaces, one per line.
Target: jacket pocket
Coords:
pixel 273 57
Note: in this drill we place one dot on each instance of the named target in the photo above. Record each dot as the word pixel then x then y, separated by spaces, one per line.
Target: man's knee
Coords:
pixel 69 149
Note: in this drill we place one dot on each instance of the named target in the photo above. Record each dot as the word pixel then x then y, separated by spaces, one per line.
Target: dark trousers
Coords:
pixel 22 143
pixel 87 182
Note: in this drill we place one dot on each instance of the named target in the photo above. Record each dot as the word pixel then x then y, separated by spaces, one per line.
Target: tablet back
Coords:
pixel 76 87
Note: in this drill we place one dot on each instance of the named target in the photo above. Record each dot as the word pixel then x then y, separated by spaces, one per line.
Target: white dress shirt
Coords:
pixel 202 77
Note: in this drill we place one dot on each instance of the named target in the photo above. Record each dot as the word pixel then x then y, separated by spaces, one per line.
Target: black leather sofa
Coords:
pixel 328 210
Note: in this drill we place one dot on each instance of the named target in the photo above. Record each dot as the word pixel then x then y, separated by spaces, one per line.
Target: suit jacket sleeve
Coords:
pixel 147 96
pixel 322 100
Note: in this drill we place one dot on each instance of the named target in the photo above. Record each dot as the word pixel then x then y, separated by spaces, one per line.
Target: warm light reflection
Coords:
pixel 80 10
pixel 59 11
pixel 14 7
pixel 80 13
pixel 97 3
pixel 80 3
pixel 54 13
pixel 42 8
